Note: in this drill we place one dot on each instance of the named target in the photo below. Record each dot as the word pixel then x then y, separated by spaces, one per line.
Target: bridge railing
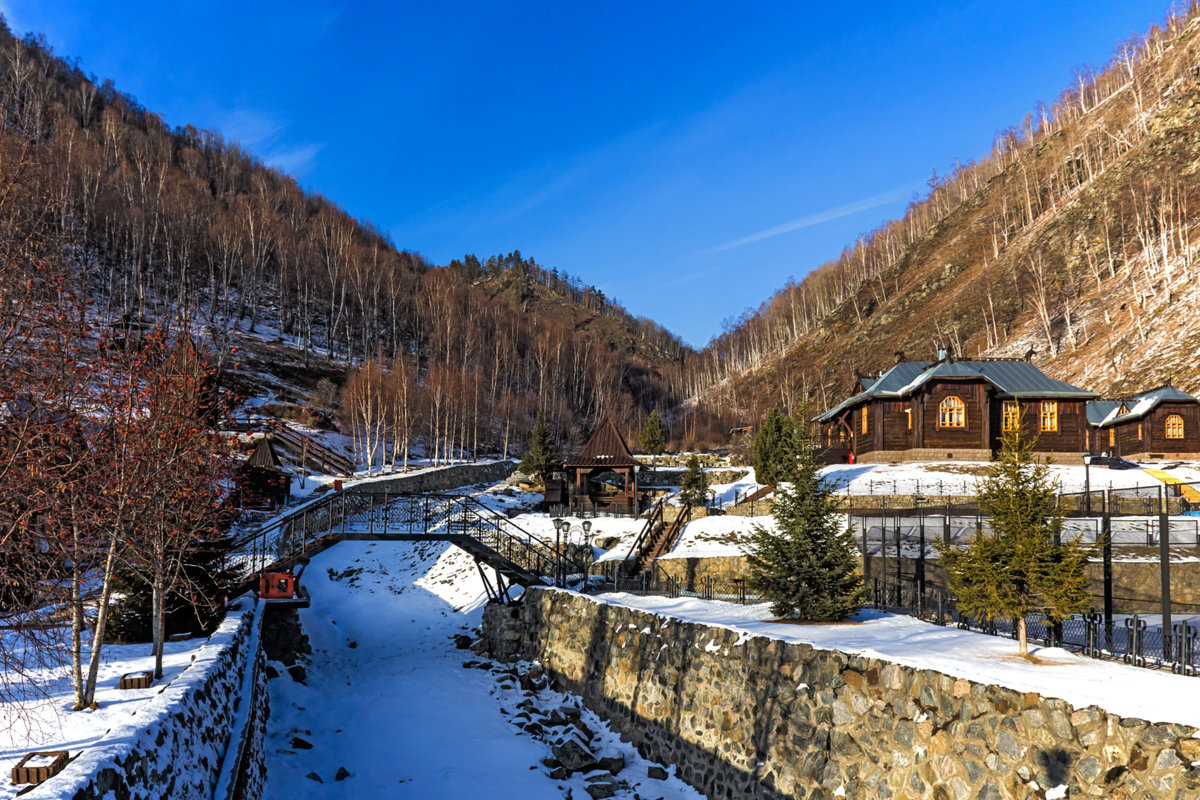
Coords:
pixel 438 516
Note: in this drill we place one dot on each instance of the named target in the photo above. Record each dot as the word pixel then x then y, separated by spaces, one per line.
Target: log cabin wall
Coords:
pixel 971 435
pixel 1155 429
pixel 895 430
pixel 1072 423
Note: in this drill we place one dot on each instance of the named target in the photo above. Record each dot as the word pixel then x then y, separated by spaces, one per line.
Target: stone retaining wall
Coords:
pixel 749 716
pixel 178 742
pixel 690 570
pixel 437 480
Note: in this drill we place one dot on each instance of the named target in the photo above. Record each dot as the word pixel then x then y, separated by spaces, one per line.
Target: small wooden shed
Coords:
pixel 261 481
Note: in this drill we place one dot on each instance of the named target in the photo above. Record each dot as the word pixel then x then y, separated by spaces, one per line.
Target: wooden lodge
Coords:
pixel 603 476
pixel 1161 423
pixel 956 410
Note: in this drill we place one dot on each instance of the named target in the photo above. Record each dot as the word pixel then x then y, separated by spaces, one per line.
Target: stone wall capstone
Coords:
pixel 750 716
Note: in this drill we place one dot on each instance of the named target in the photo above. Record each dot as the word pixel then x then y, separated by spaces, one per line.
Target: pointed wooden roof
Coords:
pixel 263 455
pixel 606 448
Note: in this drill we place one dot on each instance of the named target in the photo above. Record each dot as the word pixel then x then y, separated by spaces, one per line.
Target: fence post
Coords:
pixel 899 556
pixel 1106 549
pixel 1164 562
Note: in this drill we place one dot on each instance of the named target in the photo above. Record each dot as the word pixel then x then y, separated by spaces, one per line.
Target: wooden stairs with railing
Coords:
pixel 750 497
pixel 306 450
pixel 657 538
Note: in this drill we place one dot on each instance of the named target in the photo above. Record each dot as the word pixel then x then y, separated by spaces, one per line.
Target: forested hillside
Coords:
pixel 1075 237
pixel 180 227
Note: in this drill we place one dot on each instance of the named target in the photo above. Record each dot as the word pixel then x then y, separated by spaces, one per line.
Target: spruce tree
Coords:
pixel 693 489
pixel 1017 568
pixel 543 457
pixel 775 448
pixel 653 437
pixel 807 567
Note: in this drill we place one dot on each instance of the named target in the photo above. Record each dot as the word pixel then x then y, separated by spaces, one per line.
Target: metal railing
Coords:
pixel 318 525
pixel 1133 638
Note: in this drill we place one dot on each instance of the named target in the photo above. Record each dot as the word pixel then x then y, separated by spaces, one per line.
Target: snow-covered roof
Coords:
pixel 1011 378
pixel 1106 413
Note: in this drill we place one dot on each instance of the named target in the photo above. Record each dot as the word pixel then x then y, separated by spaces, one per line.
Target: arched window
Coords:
pixel 952 413
pixel 1174 427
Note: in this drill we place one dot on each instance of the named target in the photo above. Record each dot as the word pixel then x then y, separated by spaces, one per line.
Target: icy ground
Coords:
pixel 387 698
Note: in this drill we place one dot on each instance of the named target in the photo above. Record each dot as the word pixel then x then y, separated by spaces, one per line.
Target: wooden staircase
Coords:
pixel 657 538
pixel 305 451
pixel 757 494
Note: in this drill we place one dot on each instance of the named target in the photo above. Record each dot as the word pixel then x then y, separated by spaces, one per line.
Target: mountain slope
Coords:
pixel 1077 237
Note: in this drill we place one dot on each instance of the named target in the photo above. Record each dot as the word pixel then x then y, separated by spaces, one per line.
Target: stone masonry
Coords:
pixel 749 716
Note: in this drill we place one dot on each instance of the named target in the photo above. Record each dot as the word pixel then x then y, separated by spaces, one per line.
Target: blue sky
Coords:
pixel 687 158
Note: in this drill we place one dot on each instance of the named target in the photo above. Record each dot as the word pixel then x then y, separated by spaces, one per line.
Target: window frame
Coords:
pixel 1167 427
pixel 1010 416
pixel 950 416
pixel 866 420
pixel 1048 411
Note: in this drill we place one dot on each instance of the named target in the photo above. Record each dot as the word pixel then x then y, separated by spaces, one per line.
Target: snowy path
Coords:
pixel 387 697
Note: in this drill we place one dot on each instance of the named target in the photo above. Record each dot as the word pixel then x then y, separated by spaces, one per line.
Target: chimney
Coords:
pixel 941 354
pixel 899 356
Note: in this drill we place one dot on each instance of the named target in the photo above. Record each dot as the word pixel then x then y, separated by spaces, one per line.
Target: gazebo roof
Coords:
pixel 263 455
pixel 606 448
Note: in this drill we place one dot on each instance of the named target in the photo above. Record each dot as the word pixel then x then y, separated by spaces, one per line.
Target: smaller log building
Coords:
pixel 1162 423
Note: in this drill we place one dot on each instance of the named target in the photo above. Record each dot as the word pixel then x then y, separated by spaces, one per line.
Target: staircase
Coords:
pixel 305 450
pixel 657 538
pixel 750 497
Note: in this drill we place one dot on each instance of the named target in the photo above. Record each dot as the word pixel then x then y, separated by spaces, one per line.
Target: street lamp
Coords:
pixel 1087 485
pixel 591 553
pixel 559 526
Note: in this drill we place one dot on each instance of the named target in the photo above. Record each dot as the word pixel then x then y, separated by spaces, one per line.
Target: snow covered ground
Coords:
pixel 961 477
pixel 717 537
pixel 388 700
pixel 50 724
pixel 1123 690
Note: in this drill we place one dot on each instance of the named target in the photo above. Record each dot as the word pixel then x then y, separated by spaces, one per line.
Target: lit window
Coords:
pixel 908 417
pixel 865 419
pixel 1174 427
pixel 1010 416
pixel 1050 417
pixel 1112 437
pixel 1139 431
pixel 952 413
pixel 842 435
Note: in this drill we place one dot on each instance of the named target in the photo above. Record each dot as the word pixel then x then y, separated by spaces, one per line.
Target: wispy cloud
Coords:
pixel 828 215
pixel 263 135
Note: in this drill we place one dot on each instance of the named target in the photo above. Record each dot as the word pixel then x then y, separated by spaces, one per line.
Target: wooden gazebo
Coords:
pixel 603 477
pixel 261 481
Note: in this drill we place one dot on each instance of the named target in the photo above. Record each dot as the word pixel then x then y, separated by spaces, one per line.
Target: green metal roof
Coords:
pixel 1018 379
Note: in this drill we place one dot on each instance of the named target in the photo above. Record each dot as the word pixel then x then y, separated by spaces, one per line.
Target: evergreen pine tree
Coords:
pixel 775 448
pixel 653 437
pixel 693 489
pixel 543 457
pixel 1018 569
pixel 807 567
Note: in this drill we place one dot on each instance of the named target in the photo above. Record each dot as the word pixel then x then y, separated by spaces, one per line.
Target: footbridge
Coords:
pixel 513 555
